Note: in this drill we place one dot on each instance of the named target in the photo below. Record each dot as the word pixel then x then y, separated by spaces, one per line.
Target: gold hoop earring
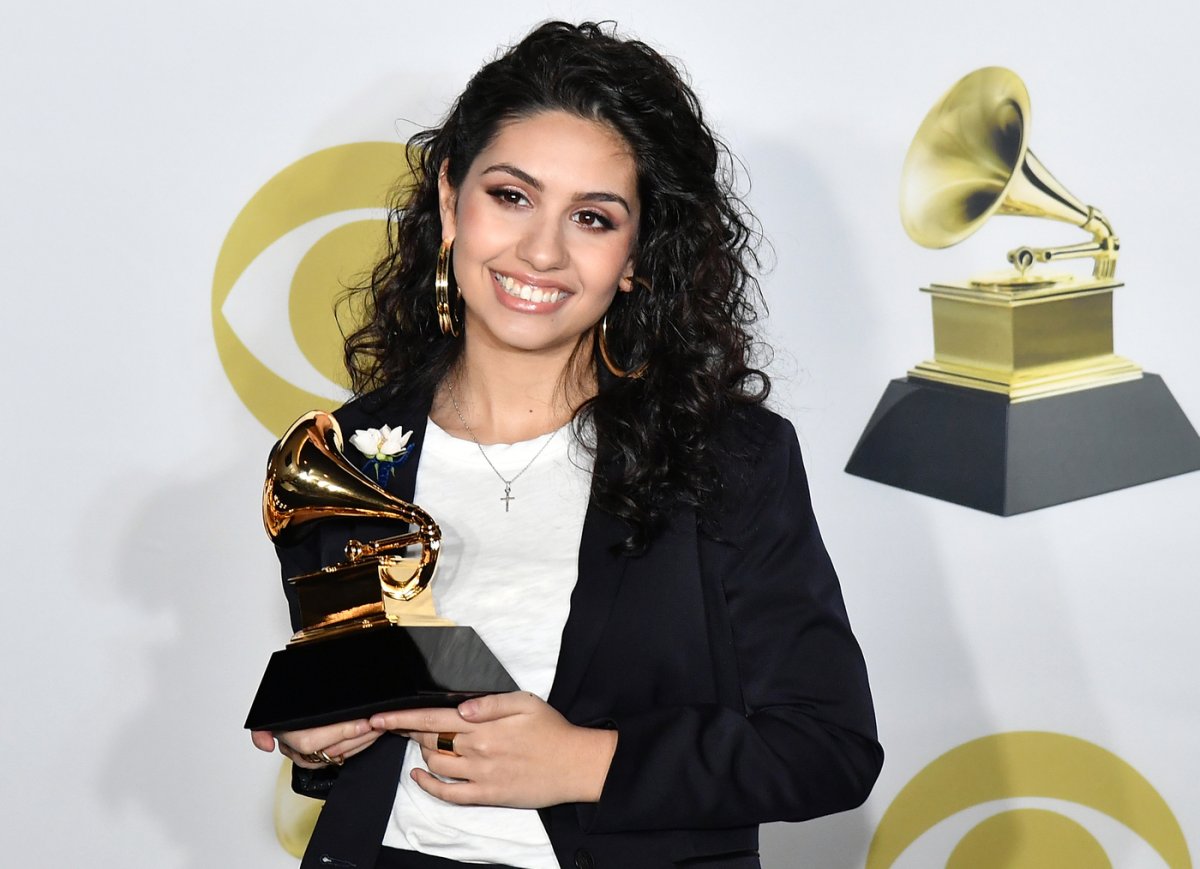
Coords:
pixel 602 341
pixel 446 310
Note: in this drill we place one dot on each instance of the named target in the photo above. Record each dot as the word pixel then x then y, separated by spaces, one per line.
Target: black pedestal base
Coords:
pixel 374 670
pixel 977 449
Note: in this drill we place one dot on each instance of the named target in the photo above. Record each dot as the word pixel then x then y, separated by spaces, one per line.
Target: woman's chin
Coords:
pixel 520 338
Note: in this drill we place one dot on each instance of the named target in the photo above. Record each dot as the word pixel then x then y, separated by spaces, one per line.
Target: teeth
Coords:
pixel 530 294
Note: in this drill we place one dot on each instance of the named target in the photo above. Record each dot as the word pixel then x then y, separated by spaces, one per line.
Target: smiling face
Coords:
pixel 544 226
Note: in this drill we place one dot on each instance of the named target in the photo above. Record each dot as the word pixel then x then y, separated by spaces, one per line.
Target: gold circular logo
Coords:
pixel 1050 766
pixel 313 229
pixel 295 816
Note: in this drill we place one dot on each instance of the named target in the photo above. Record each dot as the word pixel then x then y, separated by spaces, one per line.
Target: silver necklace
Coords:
pixel 508 497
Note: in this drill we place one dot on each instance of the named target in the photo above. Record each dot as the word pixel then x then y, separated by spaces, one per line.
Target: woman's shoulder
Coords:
pixel 752 433
pixel 390 406
pixel 759 462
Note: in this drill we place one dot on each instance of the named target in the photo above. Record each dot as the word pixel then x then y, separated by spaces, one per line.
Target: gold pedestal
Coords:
pixel 1029 341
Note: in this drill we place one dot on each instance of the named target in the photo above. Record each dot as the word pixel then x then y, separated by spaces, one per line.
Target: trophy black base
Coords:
pixel 374 670
pixel 980 450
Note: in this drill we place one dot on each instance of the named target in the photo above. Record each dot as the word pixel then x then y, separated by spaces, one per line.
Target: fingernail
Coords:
pixel 468 709
pixel 362 727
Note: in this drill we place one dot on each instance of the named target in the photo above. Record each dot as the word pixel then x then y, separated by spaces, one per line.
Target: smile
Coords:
pixel 516 289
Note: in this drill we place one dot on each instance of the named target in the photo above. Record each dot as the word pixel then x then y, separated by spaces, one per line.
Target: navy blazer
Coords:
pixel 722 656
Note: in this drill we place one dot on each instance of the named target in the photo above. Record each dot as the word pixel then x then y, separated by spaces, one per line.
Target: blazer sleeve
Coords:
pixel 304 556
pixel 797 739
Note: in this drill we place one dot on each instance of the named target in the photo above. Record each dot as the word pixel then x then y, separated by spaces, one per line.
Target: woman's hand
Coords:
pixel 509 750
pixel 338 741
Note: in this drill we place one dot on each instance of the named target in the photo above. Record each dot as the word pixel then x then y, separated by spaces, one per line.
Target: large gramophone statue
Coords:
pixel 369 638
pixel 1024 403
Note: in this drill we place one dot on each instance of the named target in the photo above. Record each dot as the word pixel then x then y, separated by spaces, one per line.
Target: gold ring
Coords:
pixel 322 757
pixel 445 744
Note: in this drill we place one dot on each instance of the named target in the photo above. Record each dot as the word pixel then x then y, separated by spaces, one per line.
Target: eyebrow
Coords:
pixel 592 196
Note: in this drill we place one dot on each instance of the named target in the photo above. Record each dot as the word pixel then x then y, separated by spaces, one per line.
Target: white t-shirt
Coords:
pixel 509 575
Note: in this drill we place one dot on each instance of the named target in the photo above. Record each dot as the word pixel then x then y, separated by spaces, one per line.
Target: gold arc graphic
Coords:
pixel 342 178
pixel 1028 764
pixel 295 816
pixel 343 255
pixel 1030 839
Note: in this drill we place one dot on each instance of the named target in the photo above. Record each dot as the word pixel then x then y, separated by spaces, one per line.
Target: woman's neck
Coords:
pixel 514 398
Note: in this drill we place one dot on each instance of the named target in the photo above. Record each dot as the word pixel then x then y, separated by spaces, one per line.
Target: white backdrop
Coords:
pixel 142 598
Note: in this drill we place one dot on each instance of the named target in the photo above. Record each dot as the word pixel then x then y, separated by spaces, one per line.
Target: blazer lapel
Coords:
pixel 601 570
pixel 403 483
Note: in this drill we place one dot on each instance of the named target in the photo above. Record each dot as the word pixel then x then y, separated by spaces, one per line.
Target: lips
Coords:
pixel 516 289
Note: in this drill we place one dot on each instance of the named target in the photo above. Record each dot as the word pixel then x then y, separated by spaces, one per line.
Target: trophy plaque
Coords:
pixel 369 638
pixel 1024 404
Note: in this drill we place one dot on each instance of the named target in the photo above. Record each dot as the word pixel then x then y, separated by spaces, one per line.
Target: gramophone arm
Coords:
pixel 1103 249
pixel 357 550
pixel 428 537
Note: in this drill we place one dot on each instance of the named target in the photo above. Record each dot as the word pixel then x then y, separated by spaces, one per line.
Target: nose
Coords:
pixel 542 243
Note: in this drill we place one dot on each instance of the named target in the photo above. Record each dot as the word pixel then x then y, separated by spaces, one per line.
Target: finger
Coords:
pixel 431 741
pixel 317 738
pixel 298 759
pixel 337 753
pixel 446 765
pixel 427 720
pixel 425 740
pixel 495 706
pixel 263 740
pixel 350 747
pixel 463 793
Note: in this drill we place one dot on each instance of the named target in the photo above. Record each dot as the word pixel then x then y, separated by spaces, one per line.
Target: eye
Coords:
pixel 508 196
pixel 311 229
pixel 1030 832
pixel 592 220
pixel 1028 798
pixel 262 311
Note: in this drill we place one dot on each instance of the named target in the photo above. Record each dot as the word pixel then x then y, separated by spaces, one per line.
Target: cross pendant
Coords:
pixel 507 496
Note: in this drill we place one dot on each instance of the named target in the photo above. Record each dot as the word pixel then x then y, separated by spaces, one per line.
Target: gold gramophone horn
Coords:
pixel 309 478
pixel 970 159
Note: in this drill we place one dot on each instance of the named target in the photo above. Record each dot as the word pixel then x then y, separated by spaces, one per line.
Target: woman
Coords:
pixel 625 525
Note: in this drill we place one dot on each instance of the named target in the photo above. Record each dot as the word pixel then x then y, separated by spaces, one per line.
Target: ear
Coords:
pixel 447 200
pixel 626 281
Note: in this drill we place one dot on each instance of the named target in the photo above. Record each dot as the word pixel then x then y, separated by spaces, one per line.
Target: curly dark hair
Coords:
pixel 695 257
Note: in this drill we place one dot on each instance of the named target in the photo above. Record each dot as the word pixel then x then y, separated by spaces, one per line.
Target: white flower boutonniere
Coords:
pixel 385 448
pixel 381 443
